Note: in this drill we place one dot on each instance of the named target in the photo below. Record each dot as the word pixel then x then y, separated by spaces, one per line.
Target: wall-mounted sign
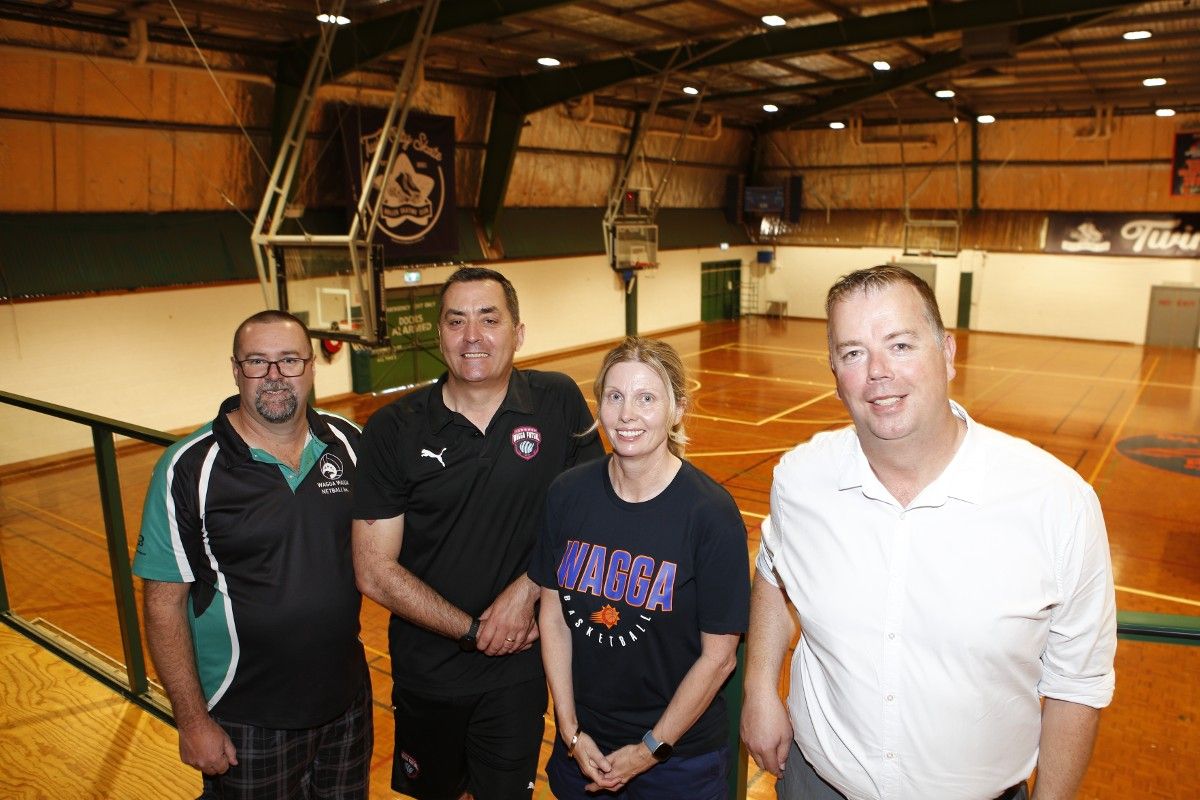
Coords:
pixel 1185 166
pixel 1111 234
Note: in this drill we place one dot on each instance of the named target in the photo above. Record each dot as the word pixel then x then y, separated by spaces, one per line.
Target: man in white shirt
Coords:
pixel 947 577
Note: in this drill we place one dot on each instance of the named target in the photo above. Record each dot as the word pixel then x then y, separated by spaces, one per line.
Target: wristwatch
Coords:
pixel 660 750
pixel 466 642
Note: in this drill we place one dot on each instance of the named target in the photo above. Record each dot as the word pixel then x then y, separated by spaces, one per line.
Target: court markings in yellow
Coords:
pixel 1112 440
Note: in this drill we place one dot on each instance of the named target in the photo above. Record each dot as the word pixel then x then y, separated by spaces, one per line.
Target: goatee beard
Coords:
pixel 280 413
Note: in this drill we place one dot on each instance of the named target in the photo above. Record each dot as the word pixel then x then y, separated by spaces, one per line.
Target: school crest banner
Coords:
pixel 418 220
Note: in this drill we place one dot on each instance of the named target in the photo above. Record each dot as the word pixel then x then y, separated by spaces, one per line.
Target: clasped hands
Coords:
pixel 614 770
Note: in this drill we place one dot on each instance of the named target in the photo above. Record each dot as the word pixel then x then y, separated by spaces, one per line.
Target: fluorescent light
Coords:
pixel 1135 35
pixel 549 61
pixel 690 90
pixel 985 119
pixel 770 108
pixel 1165 112
pixel 340 20
pixel 724 245
pixel 882 66
pixel 331 19
pixel 945 94
pixel 837 126
pixel 774 20
pixel 1154 82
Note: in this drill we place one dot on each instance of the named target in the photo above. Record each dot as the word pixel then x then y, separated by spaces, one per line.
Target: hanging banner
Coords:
pixel 1185 166
pixel 1113 234
pixel 419 215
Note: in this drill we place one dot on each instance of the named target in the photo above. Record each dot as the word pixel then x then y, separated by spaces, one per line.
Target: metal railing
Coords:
pixel 135 686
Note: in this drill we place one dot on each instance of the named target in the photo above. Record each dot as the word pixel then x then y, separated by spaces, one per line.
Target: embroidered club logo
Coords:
pixel 1175 452
pixel 411 768
pixel 526 441
pixel 414 192
pixel 330 466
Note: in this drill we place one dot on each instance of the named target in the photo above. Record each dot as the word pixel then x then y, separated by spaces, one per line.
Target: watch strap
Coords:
pixel 660 750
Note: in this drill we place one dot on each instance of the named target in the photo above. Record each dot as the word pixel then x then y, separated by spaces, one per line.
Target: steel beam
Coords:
pixel 931 67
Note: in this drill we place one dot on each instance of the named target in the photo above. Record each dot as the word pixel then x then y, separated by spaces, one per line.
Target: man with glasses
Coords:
pixel 250 604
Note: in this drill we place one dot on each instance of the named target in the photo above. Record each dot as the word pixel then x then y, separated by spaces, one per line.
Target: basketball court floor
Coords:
pixel 1126 417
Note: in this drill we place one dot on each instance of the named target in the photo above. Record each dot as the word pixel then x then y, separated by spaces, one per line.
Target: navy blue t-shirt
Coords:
pixel 638 583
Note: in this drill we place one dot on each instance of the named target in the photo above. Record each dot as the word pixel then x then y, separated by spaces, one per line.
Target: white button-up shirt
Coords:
pixel 929 632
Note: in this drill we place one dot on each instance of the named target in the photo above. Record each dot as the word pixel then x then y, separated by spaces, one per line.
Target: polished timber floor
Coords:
pixel 1125 417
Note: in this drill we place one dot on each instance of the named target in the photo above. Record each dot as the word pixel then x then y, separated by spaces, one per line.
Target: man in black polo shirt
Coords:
pixel 251 607
pixel 447 508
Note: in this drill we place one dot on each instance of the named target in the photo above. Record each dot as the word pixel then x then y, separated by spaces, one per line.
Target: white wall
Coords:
pixel 1079 297
pixel 161 358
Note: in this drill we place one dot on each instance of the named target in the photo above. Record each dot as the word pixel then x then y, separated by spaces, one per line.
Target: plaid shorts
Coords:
pixel 330 761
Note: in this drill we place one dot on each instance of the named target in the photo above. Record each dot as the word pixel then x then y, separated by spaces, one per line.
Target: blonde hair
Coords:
pixel 666 363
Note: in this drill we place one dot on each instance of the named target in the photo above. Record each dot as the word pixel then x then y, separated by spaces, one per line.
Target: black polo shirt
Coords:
pixel 273 608
pixel 472 505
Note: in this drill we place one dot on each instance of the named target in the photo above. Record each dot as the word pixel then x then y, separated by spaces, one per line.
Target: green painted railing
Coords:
pixel 135 685
pixel 1158 628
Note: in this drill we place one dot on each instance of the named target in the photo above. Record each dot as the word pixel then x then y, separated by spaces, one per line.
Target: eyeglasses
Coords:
pixel 289 367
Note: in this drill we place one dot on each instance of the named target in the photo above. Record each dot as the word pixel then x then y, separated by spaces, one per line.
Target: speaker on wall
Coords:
pixel 793 198
pixel 735 189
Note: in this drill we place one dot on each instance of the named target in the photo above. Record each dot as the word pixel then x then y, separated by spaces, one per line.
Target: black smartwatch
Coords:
pixel 660 750
pixel 466 642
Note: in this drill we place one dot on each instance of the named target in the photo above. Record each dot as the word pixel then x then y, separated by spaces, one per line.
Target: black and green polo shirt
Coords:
pixel 273 608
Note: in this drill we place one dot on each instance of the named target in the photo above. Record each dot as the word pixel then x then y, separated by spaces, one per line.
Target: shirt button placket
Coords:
pixel 889 675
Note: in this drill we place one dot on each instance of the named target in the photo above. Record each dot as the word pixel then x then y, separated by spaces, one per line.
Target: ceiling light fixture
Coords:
pixel 1165 112
pixel 1154 82
pixel 944 94
pixel 1133 36
pixel 985 119
pixel 690 90
pixel 770 108
pixel 837 126
pixel 882 66
pixel 333 19
pixel 549 61
pixel 774 20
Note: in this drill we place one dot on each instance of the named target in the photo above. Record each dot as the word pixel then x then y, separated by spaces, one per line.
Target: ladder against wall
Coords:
pixel 750 293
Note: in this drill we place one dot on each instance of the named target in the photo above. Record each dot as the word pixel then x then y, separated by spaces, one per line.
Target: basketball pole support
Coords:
pixel 266 237
pixel 287 160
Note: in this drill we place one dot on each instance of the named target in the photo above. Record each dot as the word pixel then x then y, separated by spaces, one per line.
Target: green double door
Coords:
pixel 720 290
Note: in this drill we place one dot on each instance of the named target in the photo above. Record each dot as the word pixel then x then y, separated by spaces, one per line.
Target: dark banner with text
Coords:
pixel 1158 235
pixel 419 215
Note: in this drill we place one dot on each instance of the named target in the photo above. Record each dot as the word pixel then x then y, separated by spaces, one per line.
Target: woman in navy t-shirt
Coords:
pixel 645 590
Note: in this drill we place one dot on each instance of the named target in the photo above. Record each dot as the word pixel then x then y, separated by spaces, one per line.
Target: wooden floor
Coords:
pixel 761 386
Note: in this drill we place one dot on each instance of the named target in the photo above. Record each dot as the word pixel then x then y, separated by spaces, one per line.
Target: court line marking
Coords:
pixel 990 367
pixel 751 377
pixel 1112 441
pixel 1081 376
pixel 1170 597
pixel 39 510
pixel 762 451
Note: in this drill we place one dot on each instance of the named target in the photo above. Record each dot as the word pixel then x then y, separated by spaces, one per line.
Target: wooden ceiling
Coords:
pixel 1001 57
